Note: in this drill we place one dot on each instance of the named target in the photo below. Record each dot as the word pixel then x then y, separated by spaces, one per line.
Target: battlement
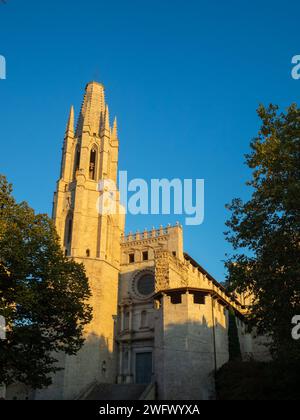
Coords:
pixel 150 234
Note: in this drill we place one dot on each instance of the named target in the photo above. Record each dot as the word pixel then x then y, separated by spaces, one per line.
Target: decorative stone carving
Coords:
pixel 161 270
pixel 170 272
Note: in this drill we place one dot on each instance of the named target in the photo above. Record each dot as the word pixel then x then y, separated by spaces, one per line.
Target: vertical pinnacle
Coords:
pixel 70 125
pixel 115 130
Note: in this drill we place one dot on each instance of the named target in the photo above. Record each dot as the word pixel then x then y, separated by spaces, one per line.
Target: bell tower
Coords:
pixel 90 157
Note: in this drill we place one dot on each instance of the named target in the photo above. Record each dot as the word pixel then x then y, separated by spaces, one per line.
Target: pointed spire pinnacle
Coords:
pixel 70 125
pixel 92 107
pixel 107 126
pixel 115 129
pixel 106 121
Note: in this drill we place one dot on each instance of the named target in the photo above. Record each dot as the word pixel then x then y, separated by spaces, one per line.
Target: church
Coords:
pixel 160 320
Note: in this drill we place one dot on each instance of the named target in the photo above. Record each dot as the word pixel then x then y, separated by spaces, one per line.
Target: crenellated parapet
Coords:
pixel 161 233
pixel 168 238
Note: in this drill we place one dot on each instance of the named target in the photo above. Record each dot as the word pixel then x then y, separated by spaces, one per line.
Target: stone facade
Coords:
pixel 90 154
pixel 157 314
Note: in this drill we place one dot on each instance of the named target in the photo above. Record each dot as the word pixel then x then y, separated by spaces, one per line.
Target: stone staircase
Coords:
pixel 113 392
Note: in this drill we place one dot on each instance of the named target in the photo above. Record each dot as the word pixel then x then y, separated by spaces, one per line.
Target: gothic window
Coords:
pixel 92 168
pixel 69 231
pixel 77 164
pixel 77 160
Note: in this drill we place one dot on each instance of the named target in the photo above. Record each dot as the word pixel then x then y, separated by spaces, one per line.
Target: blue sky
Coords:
pixel 184 77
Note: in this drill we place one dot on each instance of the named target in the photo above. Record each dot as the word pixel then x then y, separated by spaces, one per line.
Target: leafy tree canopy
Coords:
pixel 42 294
pixel 265 231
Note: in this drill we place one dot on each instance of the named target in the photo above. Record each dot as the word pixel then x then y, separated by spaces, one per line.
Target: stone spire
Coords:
pixel 92 108
pixel 115 130
pixel 107 125
pixel 107 118
pixel 70 125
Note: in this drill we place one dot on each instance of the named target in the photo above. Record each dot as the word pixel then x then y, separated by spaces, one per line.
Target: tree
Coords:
pixel 234 347
pixel 42 295
pixel 265 231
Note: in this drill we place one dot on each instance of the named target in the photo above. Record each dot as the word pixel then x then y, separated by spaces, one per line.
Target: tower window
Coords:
pixel 70 226
pixel 131 258
pixel 199 298
pixel 145 256
pixel 77 160
pixel 92 169
pixel 88 253
pixel 176 298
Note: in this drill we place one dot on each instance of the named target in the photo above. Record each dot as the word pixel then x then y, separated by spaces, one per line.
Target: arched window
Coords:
pixel 69 237
pixel 68 234
pixel 88 253
pixel 77 160
pixel 69 231
pixel 92 168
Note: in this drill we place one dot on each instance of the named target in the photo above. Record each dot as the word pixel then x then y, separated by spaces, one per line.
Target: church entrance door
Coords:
pixel 143 368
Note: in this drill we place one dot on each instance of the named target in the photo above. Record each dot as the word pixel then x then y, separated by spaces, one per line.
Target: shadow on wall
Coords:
pixel 187 356
pixel 93 363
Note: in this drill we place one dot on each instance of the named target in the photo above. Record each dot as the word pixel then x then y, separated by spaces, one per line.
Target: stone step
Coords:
pixel 113 392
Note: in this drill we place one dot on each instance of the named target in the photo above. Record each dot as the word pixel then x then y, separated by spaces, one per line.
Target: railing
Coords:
pixel 150 393
pixel 86 391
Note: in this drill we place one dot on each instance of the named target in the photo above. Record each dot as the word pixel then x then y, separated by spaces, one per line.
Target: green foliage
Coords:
pixel 258 381
pixel 234 347
pixel 265 231
pixel 42 294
